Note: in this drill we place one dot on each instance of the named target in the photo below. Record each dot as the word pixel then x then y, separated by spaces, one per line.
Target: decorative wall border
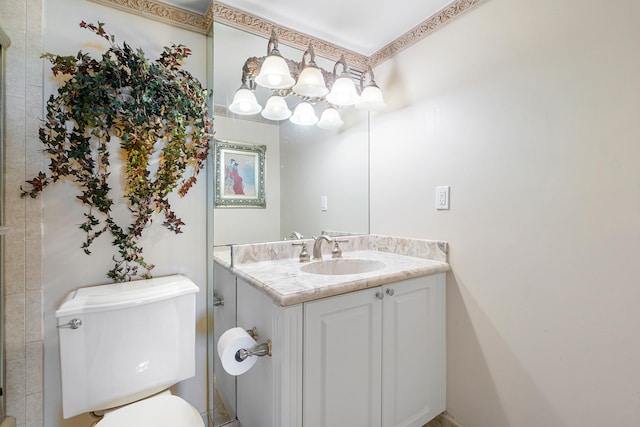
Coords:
pixel 426 28
pixel 252 24
pixel 239 19
pixel 163 12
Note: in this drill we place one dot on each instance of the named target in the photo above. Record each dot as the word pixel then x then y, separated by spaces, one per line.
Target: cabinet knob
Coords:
pixel 379 295
pixel 390 292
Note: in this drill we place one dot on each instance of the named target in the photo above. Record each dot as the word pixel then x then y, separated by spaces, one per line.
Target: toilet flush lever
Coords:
pixel 218 301
pixel 71 324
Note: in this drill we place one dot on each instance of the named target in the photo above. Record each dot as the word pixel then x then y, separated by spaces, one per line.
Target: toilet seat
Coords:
pixel 164 410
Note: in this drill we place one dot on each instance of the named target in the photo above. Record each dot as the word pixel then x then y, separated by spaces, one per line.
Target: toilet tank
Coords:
pixel 122 342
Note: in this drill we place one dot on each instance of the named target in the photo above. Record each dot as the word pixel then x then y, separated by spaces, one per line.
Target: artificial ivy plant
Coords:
pixel 122 103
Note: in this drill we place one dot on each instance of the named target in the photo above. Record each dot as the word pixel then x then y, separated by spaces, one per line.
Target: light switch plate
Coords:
pixel 323 203
pixel 442 197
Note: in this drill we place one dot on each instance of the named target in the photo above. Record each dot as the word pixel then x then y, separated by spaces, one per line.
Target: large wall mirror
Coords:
pixel 304 165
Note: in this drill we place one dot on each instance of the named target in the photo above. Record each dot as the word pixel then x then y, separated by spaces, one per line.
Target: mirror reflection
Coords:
pixel 315 180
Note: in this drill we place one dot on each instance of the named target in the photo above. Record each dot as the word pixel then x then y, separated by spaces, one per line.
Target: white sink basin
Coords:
pixel 333 267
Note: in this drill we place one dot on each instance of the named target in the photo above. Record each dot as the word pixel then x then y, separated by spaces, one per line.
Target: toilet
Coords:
pixel 122 346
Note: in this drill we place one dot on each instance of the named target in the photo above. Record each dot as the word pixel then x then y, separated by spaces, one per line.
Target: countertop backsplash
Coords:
pixel 286 249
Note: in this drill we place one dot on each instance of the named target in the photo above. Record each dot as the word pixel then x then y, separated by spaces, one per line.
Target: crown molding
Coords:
pixel 252 24
pixel 163 12
pixel 441 18
pixel 239 19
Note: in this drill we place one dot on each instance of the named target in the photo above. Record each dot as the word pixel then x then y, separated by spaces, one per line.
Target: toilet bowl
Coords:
pixel 163 410
pixel 122 346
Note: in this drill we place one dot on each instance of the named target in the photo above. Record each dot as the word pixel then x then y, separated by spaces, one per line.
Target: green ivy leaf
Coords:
pixel 148 106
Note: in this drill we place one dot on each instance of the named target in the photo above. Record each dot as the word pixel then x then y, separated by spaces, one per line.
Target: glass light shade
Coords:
pixel 311 83
pixel 330 119
pixel 371 99
pixel 245 103
pixel 343 92
pixel 304 115
pixel 274 73
pixel 276 109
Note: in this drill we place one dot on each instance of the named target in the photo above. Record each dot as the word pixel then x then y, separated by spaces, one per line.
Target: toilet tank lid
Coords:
pixel 126 294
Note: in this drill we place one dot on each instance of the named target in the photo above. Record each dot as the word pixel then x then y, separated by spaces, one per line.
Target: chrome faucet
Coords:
pixel 317 245
pixel 295 235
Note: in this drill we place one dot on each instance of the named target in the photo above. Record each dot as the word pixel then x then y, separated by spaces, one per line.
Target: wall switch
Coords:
pixel 323 203
pixel 442 197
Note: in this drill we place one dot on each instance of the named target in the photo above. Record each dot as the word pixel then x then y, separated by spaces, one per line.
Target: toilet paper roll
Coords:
pixel 230 342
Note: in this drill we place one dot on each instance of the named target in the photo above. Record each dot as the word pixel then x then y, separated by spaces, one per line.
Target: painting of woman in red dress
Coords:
pixel 233 180
pixel 239 175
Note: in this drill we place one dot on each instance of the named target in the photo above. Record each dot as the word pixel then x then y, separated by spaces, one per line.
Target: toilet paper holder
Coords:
pixel 262 349
pixel 253 333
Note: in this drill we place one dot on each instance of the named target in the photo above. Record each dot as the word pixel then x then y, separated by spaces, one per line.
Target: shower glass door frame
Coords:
pixel 2 310
pixel 4 44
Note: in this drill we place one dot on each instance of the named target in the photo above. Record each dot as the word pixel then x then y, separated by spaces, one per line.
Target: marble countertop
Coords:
pixel 286 284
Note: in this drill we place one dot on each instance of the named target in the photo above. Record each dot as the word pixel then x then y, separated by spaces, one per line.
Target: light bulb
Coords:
pixel 311 83
pixel 343 91
pixel 330 119
pixel 371 99
pixel 304 115
pixel 274 73
pixel 274 79
pixel 276 109
pixel 245 102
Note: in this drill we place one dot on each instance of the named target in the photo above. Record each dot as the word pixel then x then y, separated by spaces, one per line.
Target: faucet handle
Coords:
pixel 304 253
pixel 337 252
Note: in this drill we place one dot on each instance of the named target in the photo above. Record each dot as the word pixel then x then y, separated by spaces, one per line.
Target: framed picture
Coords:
pixel 239 175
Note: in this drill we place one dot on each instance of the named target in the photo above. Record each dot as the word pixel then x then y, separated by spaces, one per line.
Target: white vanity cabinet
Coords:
pixel 376 357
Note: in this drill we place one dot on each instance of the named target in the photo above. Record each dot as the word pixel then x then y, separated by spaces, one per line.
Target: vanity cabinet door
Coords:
pixel 342 360
pixel 413 351
pixel 376 357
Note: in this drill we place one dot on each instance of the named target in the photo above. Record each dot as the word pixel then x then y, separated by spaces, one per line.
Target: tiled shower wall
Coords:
pixel 22 21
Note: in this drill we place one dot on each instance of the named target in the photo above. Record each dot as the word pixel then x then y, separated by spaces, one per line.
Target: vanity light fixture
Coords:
pixel 330 119
pixel 371 96
pixel 276 109
pixel 274 72
pixel 304 115
pixel 245 102
pixel 343 92
pixel 311 83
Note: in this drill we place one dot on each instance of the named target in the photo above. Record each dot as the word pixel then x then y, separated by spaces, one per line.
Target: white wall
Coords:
pixel 246 225
pixel 529 110
pixel 65 267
